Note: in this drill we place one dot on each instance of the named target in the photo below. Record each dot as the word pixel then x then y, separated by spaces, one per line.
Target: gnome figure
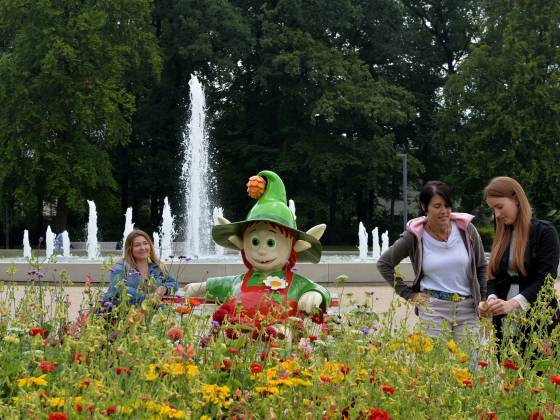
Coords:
pixel 270 243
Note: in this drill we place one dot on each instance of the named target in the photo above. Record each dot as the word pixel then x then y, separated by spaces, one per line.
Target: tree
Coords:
pixel 66 94
pixel 502 115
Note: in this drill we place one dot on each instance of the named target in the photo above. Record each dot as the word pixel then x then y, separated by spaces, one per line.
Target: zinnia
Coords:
pixel 388 389
pixel 378 414
pixel 57 415
pixel 174 333
pixel 47 366
pixel 555 379
pixel 256 367
pixel 508 364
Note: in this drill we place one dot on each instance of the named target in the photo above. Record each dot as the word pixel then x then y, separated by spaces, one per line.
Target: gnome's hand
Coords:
pixel 309 301
pixel 195 289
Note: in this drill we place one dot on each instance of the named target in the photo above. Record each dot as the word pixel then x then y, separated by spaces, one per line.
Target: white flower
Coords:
pixel 275 283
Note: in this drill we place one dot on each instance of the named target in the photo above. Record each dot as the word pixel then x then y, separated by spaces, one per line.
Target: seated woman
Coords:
pixel 140 273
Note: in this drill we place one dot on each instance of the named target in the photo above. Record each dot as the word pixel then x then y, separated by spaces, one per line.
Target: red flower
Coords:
pixel 57 415
pixel 345 370
pixel 47 366
pixel 467 382
pixel 226 364
pixel 36 331
pixel 508 364
pixel 388 389
pixel 555 379
pixel 536 416
pixel 79 358
pixel 378 414
pixel 489 416
pixel 256 367
pixel 483 363
pixel 79 408
pixel 91 409
pixel 123 370
pixel 233 351
pixel 312 338
pixel 174 333
pixel 112 409
pixel 325 379
pixel 507 388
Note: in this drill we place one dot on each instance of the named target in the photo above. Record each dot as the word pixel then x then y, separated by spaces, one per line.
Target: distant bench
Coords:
pixel 103 246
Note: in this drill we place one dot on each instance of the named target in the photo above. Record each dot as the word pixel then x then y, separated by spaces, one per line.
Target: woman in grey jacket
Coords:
pixel 448 259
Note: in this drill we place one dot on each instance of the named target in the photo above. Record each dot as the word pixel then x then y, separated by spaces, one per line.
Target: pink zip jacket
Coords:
pixel 410 245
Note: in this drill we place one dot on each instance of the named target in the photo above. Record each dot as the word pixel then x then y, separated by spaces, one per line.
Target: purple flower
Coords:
pixel 108 304
pixel 216 324
pixel 40 274
pixel 204 341
pixel 364 331
pixel 172 256
pixel 32 272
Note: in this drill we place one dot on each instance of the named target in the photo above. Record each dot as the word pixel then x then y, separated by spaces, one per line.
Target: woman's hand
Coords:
pixel 502 307
pixel 484 310
pixel 161 291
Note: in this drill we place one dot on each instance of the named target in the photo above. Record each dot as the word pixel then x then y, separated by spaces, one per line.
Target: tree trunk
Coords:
pixel 61 219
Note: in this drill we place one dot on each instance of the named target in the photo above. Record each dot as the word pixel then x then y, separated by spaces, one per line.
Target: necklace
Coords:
pixel 440 237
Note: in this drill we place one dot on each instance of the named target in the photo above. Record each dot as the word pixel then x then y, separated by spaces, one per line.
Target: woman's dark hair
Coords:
pixel 429 190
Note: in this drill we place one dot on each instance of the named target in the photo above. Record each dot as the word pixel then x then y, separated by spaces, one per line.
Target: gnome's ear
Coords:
pixel 223 221
pixel 316 232
pixel 237 241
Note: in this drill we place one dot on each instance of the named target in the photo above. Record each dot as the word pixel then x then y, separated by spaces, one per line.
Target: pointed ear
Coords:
pixel 300 246
pixel 317 231
pixel 223 221
pixel 237 241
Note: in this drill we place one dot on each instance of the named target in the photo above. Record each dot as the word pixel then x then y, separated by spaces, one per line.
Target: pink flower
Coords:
pixel 89 280
pixel 174 333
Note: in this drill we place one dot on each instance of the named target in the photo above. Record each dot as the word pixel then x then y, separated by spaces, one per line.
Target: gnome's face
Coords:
pixel 266 247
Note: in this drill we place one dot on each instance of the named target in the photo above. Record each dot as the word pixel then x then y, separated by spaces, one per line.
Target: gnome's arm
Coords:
pixel 310 301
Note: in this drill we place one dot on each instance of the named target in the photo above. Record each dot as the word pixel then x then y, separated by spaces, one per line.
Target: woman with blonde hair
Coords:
pixel 524 252
pixel 140 272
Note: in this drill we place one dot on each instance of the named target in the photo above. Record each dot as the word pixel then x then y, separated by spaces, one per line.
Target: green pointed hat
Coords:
pixel 270 207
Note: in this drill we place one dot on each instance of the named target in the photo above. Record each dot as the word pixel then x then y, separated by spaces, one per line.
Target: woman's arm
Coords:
pixel 391 258
pixel 481 263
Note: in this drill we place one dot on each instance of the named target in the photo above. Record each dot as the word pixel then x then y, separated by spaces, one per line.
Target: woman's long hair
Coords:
pixel 129 258
pixel 504 186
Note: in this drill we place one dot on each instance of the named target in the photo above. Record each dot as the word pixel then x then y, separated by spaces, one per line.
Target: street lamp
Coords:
pixel 405 188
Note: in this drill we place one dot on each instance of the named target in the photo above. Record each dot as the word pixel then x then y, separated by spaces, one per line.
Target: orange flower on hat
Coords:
pixel 256 186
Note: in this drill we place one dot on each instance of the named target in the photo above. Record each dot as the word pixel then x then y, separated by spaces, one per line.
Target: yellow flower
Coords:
pixel 57 402
pixel 272 390
pixel 192 370
pixel 11 339
pixel 418 343
pixel 152 374
pixel 39 380
pixel 177 369
pixel 125 410
pixel 461 374
pixel 452 346
pixel 205 417
pixel 363 375
pixel 394 346
pixel 217 395
pixel 462 357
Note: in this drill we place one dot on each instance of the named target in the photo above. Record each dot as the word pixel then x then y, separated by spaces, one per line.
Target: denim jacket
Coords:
pixel 128 278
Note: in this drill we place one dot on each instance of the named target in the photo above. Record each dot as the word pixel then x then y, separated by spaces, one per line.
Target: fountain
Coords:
pixel 363 241
pixel 167 231
pixel 26 245
pixel 157 247
pixel 128 226
pixel 376 250
pixel 91 244
pixel 216 214
pixel 66 244
pixel 49 243
pixel 384 241
pixel 292 207
pixel 196 176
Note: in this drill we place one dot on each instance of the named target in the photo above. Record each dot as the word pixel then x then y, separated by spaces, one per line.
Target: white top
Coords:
pixel 445 263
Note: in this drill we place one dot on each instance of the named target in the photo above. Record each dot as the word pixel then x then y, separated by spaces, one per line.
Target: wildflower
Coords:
pixel 194 302
pixel 489 416
pixel 462 357
pixel 483 363
pixel 89 280
pixel 536 416
pixel 507 388
pixel 233 351
pixel 108 304
pixel 56 402
pixel 535 390
pixel 111 410
pixel 452 346
pixel 47 366
pixel 12 339
pixel 467 382
pixel 272 390
pixel 217 395
pixel 174 333
pixel 122 370
pixel 183 310
pixel 417 343
pixel 191 352
pixel 555 379
pixel 345 370
pixel 192 370
pixel 378 414
pixel 79 357
pixel 364 331
pixel 79 408
pixel 151 375
pixel 27 382
pixel 508 364
pixel 388 389
pixel 226 364
pixel 36 331
pixel 57 415
pixel 256 367
pixel 312 338
pixel 460 374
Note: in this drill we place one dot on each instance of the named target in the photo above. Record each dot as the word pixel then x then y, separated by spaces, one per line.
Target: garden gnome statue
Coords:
pixel 270 243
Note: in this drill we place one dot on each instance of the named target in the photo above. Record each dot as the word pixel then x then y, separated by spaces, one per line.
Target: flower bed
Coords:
pixel 169 361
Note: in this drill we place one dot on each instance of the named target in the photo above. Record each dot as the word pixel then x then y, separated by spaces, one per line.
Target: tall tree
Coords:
pixel 65 93
pixel 502 114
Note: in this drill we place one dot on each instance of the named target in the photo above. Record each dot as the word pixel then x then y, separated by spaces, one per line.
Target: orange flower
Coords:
pixel 226 364
pixel 256 367
pixel 194 302
pixel 183 310
pixel 256 186
pixel 174 333
pixel 555 379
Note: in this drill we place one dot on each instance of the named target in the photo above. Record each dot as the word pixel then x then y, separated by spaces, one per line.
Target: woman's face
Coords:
pixel 140 248
pixel 505 209
pixel 438 211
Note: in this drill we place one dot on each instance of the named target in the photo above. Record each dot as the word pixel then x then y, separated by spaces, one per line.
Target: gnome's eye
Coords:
pixel 255 241
pixel 271 243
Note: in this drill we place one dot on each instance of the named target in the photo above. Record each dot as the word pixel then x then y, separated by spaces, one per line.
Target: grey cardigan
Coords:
pixel 410 245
